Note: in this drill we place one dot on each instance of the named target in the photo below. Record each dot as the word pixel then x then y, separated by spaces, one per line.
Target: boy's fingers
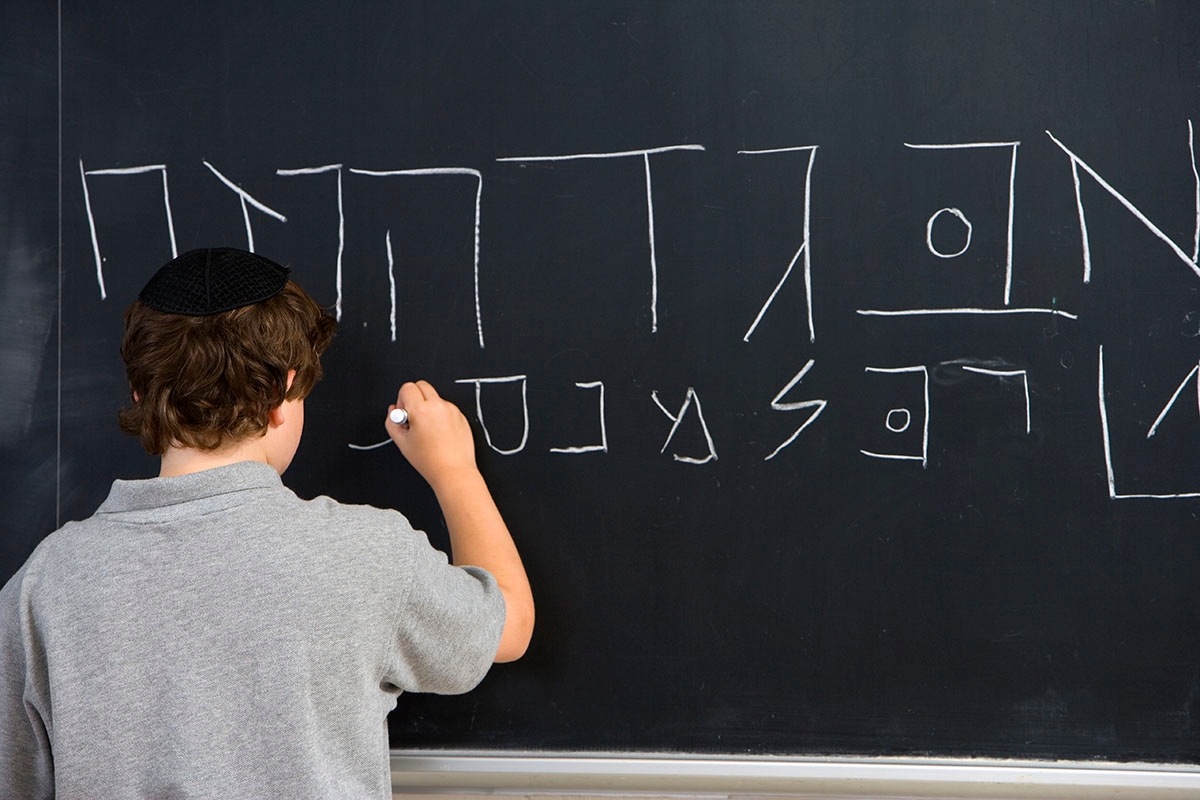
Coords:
pixel 410 391
pixel 411 397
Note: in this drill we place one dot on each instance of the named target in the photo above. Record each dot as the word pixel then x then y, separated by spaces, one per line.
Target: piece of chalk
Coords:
pixel 398 416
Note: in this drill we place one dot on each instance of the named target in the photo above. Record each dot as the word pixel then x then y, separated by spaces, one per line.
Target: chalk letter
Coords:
pixel 677 418
pixel 645 155
pixel 803 249
pixel 87 202
pixel 778 405
pixel 478 176
pixel 245 198
pixel 929 232
pixel 479 409
pixel 1107 437
pixel 593 448
pixel 1077 162
pixel 1158 421
pixel 1010 373
pixel 341 220
pixel 924 457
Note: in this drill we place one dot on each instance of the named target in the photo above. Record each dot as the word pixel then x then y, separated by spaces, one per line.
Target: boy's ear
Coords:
pixel 275 415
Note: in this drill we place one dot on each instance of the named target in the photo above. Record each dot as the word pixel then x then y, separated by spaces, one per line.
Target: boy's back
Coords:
pixel 241 613
pixel 209 634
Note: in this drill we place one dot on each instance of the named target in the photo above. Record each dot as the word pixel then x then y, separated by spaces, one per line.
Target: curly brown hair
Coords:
pixel 205 382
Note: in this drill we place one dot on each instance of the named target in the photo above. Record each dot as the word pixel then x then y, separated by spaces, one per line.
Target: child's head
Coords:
pixel 209 345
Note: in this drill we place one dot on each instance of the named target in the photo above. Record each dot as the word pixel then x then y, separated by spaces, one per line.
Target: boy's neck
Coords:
pixel 185 460
pixel 275 446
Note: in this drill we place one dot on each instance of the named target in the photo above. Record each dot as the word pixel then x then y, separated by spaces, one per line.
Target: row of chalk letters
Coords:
pixel 802 255
pixel 899 420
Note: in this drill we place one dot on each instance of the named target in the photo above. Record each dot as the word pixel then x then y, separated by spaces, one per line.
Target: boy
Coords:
pixel 206 633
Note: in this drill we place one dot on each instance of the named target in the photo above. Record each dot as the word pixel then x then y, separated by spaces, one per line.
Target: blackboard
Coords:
pixel 643 244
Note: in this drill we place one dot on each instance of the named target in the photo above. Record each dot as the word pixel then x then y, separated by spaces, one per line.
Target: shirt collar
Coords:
pixel 157 493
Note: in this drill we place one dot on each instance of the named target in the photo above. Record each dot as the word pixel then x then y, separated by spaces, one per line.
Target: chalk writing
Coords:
pixel 678 418
pixel 246 201
pixel 1170 403
pixel 929 232
pixel 1011 373
pixel 1005 309
pixel 602 447
pixel 337 170
pixel 778 405
pixel 478 176
pixel 924 456
pixel 803 249
pixel 92 219
pixel 1012 183
pixel 898 420
pixel 387 240
pixel 1077 162
pixel 903 420
pixel 1107 441
pixel 479 384
pixel 926 312
pixel 645 156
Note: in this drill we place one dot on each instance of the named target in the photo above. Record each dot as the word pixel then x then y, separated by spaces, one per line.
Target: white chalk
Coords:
pixel 398 416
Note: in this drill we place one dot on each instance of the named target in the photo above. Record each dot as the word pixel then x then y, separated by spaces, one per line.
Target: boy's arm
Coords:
pixel 437 441
pixel 26 764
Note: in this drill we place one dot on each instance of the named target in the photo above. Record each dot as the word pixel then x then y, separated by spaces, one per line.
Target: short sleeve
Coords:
pixel 25 762
pixel 448 626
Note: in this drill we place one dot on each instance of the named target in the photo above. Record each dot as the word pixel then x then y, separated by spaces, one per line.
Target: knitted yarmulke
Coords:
pixel 201 283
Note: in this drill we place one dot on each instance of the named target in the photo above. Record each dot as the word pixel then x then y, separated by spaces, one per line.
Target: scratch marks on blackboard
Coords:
pixel 645 156
pixel 27 299
pixel 1044 716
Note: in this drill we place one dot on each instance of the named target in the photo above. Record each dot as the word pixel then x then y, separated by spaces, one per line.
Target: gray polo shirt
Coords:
pixel 213 635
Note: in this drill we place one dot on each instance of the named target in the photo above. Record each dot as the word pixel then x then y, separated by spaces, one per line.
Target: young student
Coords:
pixel 207 633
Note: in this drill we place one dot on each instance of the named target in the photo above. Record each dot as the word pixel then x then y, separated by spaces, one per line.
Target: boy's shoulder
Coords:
pixel 66 546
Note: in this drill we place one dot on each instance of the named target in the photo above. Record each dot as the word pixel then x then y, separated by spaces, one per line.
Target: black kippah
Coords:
pixel 201 283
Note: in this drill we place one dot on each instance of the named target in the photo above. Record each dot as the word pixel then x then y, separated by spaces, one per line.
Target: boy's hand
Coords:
pixel 437 438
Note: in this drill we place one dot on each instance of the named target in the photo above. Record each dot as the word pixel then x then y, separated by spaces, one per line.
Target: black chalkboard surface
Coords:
pixel 834 363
